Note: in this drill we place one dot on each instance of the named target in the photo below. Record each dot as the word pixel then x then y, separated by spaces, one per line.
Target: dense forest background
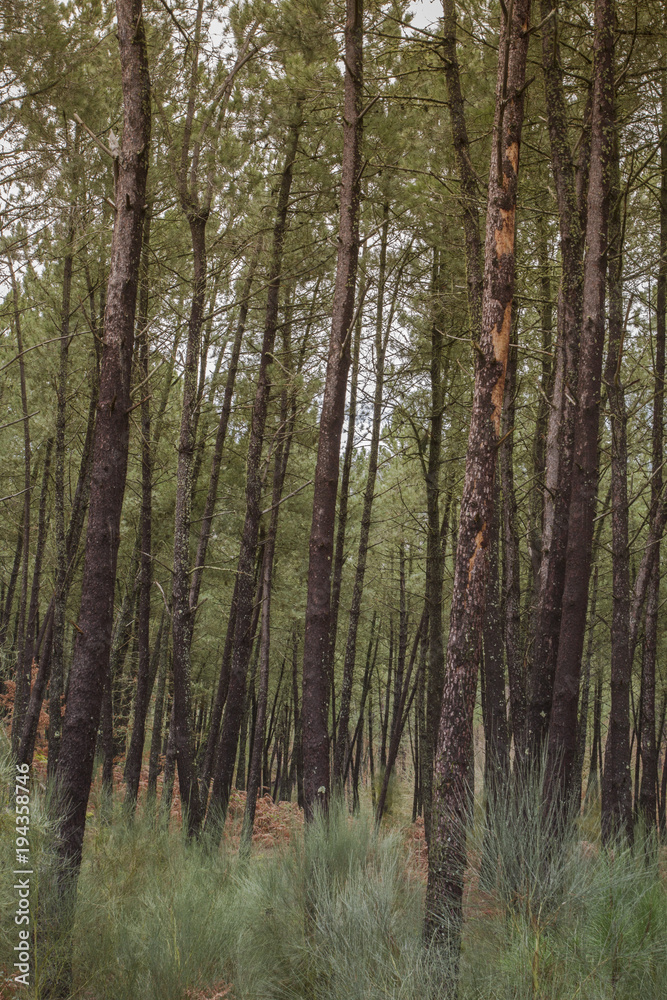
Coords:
pixel 323 422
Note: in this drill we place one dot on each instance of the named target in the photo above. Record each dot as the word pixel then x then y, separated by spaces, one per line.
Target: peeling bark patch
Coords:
pixel 512 154
pixel 505 235
pixel 480 543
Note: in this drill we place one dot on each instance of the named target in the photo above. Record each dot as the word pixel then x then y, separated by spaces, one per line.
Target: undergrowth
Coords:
pixel 335 913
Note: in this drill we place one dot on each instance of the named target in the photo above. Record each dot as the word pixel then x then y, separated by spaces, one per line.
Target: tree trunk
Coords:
pixel 182 613
pixel 434 550
pixel 595 765
pixel 343 736
pixel 109 466
pixel 511 566
pixel 454 748
pixel 585 694
pixel 563 722
pixel 220 698
pixel 280 460
pixel 495 709
pixel 231 723
pixel 339 555
pixel 144 678
pixel 315 700
pixel 22 689
pixel 158 715
pixel 560 431
pixel 617 781
pixel 649 746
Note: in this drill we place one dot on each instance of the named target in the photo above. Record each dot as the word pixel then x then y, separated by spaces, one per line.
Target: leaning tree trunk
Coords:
pixel 315 700
pixel 91 653
pixel 563 723
pixel 454 749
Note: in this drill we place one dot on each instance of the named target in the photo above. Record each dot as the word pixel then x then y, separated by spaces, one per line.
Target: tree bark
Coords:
pixel 511 567
pixel 616 780
pixel 560 431
pixel 144 678
pixel 109 467
pixel 434 550
pixel 158 713
pixel 649 746
pixel 563 723
pixel 315 699
pixel 454 748
pixel 339 553
pixel 495 710
pixel 22 690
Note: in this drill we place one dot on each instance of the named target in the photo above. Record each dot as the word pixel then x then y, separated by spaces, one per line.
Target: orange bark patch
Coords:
pixel 512 154
pixel 479 544
pixel 505 235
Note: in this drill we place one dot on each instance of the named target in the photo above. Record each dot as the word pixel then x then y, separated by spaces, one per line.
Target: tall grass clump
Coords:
pixel 334 917
pixel 558 915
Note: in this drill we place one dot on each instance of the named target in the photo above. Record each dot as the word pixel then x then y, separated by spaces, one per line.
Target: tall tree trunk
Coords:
pixel 434 550
pixel 144 678
pixel 560 431
pixel 466 171
pixel 158 714
pixel 91 653
pixel 563 723
pixel 595 765
pixel 182 614
pixel 220 698
pixel 616 779
pixel 22 689
pixel 511 567
pixel 495 710
pixel 585 695
pixel 280 467
pixel 343 736
pixel 315 700
pixel 231 723
pixel 649 746
pixel 454 748
pixel 339 553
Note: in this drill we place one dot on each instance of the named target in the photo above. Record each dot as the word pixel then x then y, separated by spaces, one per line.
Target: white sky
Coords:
pixel 426 12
